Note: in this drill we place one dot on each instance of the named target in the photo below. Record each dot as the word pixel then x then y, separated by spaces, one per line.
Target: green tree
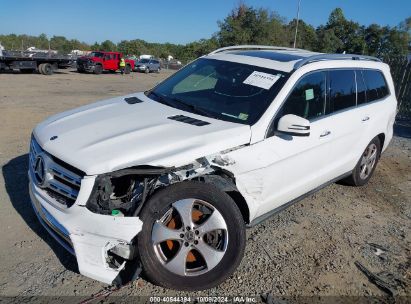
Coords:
pixel 247 25
pixel 349 33
pixel 108 46
pixel 42 42
pixel 95 46
pixel 328 42
pixel 306 35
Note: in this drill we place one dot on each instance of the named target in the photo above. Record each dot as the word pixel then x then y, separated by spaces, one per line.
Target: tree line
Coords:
pixel 249 25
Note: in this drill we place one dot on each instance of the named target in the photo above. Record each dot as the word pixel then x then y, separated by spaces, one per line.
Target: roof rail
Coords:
pixel 252 47
pixel 323 57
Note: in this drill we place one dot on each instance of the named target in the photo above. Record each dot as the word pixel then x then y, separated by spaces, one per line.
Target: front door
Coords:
pixel 284 167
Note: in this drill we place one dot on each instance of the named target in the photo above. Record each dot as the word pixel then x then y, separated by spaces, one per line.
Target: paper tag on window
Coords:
pixel 261 80
pixel 309 94
pixel 243 116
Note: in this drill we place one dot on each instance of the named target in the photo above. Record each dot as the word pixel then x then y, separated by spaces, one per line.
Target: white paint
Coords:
pixel 112 135
pixel 269 172
pixel 89 232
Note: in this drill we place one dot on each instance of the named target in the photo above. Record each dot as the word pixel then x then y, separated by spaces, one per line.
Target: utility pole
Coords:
pixel 296 26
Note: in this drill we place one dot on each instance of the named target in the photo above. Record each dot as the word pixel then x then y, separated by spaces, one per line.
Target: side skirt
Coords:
pixel 277 210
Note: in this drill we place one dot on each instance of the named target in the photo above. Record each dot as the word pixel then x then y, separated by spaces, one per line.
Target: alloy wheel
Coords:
pixel 191 238
pixel 368 161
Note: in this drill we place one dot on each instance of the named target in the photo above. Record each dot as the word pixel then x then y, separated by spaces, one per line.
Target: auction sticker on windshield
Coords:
pixel 261 80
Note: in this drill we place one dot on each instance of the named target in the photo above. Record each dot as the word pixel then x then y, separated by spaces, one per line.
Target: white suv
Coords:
pixel 167 180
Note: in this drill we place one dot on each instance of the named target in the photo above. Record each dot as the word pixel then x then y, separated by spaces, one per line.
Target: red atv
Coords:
pixel 96 62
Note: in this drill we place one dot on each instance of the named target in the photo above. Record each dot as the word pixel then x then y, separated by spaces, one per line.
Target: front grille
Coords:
pixel 60 180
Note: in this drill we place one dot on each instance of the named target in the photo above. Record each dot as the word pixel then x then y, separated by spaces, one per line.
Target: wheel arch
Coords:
pixel 381 137
pixel 225 181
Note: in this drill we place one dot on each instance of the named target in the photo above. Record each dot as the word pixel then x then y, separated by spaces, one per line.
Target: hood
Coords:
pixel 113 134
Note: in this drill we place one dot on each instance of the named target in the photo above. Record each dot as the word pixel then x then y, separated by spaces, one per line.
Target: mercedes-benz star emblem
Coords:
pixel 39 170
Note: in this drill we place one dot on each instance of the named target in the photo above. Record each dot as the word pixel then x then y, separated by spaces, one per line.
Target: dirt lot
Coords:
pixel 309 249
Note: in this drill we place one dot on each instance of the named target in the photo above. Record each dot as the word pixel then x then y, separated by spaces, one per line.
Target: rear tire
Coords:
pixel 127 70
pixel 40 68
pixel 212 265
pixel 366 165
pixel 46 69
pixel 98 69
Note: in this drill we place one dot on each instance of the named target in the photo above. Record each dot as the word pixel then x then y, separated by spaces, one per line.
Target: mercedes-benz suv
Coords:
pixel 167 180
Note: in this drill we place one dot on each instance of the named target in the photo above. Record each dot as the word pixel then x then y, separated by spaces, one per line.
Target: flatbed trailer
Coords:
pixel 28 62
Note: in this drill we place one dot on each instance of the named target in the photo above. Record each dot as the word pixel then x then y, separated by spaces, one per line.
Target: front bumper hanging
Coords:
pixel 91 237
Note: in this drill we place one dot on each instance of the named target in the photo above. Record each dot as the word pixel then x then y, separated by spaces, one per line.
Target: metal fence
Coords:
pixel 401 74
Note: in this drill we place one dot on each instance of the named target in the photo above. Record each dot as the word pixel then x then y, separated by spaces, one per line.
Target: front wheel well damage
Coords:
pixel 225 181
pixel 381 137
pixel 127 190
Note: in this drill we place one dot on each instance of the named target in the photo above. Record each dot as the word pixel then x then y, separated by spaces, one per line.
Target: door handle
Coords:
pixel 325 133
pixel 365 118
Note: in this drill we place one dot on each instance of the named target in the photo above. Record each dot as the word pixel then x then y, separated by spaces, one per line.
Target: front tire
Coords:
pixel 366 165
pixel 193 236
pixel 98 69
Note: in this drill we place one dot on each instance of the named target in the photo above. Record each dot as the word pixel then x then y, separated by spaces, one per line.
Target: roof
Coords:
pixel 278 58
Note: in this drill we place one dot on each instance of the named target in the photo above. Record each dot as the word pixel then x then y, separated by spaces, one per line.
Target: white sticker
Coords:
pixel 261 80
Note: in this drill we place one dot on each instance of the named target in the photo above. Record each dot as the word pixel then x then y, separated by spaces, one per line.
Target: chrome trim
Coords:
pixel 54 228
pixel 57 178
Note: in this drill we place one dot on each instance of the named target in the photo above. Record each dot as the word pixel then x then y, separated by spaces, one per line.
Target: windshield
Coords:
pixel 220 89
pixel 144 60
pixel 95 54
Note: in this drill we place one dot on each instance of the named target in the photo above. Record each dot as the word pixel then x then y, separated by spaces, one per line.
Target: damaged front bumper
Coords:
pixel 93 238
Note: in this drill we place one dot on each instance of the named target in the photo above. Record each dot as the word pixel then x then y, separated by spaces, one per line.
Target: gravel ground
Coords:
pixel 307 250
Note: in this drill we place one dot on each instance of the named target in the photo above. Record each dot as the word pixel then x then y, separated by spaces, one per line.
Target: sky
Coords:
pixel 175 21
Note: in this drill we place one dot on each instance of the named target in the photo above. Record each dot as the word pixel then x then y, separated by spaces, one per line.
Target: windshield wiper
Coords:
pixel 190 107
pixel 195 109
pixel 160 98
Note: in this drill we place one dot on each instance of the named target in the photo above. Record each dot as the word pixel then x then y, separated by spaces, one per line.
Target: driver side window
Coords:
pixel 307 99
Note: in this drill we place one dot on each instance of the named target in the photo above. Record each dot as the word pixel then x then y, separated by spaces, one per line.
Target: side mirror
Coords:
pixel 294 125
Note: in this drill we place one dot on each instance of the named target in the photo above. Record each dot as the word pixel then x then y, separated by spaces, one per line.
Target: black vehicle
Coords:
pixel 28 62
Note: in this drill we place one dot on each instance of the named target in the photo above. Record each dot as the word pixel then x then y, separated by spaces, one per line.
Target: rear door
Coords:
pixel 345 121
pixel 375 103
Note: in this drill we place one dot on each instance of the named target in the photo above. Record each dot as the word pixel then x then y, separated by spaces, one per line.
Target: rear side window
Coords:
pixel 376 85
pixel 341 90
pixel 307 98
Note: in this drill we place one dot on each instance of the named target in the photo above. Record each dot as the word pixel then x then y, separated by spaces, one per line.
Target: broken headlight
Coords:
pixel 121 193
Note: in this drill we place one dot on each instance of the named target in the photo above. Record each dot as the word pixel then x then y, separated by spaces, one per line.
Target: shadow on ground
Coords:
pixel 16 182
pixel 402 128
